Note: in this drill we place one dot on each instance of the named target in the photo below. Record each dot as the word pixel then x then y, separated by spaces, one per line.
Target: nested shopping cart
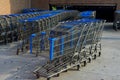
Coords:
pixel 69 44
pixel 43 23
pixel 10 26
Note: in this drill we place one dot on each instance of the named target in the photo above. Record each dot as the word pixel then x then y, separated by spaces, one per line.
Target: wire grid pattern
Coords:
pixel 43 23
pixel 10 25
pixel 88 34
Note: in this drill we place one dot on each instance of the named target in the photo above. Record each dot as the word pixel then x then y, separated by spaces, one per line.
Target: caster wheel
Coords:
pixel 66 71
pixel 84 63
pixel 78 67
pixel 27 47
pixel 94 57
pixel 89 60
pixel 99 54
pixel 58 75
pixel 48 78
pixel 38 76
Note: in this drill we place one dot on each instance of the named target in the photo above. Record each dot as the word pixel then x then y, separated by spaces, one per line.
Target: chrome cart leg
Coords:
pixel 84 63
pixel 89 60
pixel 58 75
pixel 94 56
pixel 48 78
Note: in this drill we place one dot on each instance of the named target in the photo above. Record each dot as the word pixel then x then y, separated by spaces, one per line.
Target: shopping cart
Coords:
pixel 10 26
pixel 71 44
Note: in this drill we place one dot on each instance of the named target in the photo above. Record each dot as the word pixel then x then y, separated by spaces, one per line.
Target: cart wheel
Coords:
pixel 37 75
pixel 99 54
pixel 95 49
pixel 66 71
pixel 84 63
pixel 89 60
pixel 58 75
pixel 48 78
pixel 94 57
pixel 27 47
pixel 78 67
pixel 17 53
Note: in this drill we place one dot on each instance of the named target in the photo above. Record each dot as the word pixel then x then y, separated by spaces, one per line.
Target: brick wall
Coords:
pixel 13 6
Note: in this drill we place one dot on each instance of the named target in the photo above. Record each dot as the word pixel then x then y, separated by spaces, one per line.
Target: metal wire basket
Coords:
pixel 71 43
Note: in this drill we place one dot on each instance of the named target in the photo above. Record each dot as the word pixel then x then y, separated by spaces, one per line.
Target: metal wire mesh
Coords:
pixel 67 42
pixel 44 23
pixel 10 25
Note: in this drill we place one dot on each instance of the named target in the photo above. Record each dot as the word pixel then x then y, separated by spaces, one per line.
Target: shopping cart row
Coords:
pixel 69 44
pixel 9 25
pixel 43 23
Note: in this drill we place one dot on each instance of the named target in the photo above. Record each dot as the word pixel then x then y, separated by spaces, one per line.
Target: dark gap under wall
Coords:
pixel 102 11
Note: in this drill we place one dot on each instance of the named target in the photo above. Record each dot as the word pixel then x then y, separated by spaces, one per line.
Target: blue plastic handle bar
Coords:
pixel 51 54
pixel 86 13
